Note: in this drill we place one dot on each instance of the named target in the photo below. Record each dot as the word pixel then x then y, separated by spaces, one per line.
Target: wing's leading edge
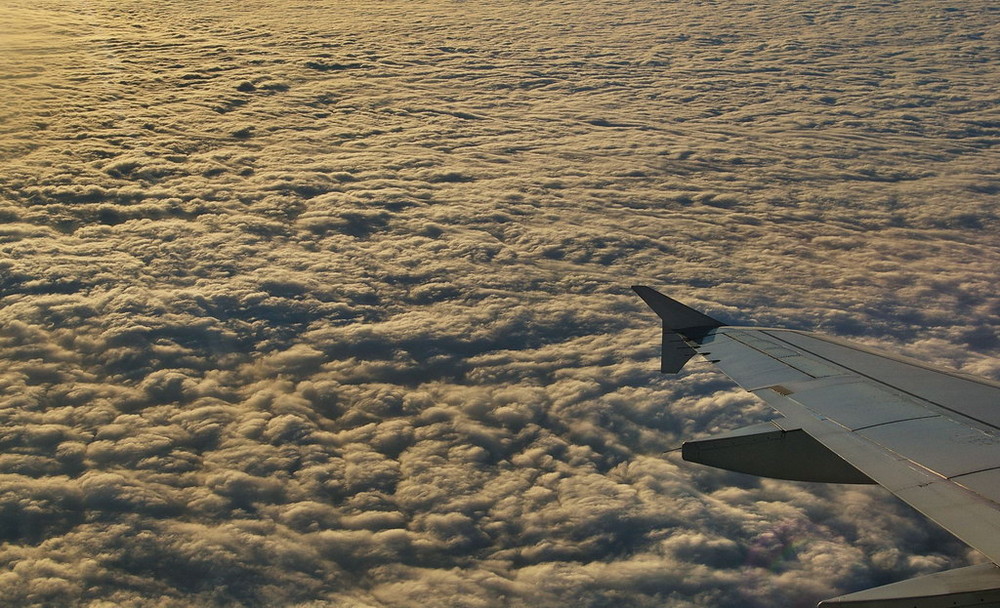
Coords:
pixel 854 415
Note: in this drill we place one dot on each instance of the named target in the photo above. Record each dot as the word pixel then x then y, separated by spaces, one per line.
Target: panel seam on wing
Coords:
pixel 881 383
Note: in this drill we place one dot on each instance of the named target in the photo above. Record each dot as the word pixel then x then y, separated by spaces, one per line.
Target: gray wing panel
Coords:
pixel 941 445
pixel 747 366
pixel 984 483
pixel 976 399
pixel 857 404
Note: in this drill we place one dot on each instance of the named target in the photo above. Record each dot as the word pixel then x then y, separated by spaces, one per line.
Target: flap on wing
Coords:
pixel 773 449
pixel 972 586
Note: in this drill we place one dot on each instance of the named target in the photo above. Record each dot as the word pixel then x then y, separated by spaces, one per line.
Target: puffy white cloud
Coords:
pixel 303 304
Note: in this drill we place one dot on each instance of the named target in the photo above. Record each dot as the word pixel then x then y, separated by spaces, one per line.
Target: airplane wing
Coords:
pixel 851 414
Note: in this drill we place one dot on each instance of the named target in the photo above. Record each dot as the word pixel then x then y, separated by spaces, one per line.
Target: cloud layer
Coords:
pixel 307 304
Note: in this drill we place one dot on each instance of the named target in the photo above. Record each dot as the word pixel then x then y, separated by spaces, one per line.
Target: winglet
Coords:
pixel 677 317
pixel 680 324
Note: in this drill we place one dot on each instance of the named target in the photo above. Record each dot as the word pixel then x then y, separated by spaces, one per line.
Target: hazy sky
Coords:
pixel 326 303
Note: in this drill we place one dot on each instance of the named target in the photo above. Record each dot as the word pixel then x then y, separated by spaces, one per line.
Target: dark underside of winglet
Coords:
pixel 681 324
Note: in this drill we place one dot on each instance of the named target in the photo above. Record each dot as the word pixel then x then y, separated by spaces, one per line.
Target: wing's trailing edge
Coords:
pixel 852 414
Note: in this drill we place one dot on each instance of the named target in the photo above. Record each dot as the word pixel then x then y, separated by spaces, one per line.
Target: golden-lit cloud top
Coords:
pixel 328 301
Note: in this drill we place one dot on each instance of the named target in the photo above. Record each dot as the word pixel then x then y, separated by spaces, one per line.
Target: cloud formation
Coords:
pixel 310 304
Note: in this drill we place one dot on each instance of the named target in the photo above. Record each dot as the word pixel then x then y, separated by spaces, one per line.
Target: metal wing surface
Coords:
pixel 852 414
